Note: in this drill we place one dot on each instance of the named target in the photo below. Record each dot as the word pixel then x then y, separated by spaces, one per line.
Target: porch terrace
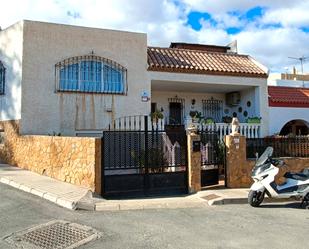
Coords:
pixel 214 104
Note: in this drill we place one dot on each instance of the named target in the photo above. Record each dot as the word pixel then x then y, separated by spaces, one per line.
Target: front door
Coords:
pixel 175 113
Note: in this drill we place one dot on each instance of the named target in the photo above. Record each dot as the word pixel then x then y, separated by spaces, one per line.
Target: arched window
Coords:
pixel 91 73
pixel 2 78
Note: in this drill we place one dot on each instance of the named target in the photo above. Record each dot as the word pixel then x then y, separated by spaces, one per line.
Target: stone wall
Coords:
pixel 194 164
pixel 238 167
pixel 76 160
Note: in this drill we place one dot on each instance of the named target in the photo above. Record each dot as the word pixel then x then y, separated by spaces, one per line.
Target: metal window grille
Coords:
pixel 2 78
pixel 213 108
pixel 90 73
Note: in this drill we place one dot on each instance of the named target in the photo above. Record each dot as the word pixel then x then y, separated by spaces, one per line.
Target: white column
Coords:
pixel 261 107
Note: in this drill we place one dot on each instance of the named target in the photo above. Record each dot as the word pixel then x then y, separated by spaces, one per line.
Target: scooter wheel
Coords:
pixel 255 198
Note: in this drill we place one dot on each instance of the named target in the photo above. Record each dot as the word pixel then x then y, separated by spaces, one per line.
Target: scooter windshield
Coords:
pixel 263 158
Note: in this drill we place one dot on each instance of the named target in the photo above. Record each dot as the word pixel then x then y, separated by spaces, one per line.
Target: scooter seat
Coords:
pixel 302 176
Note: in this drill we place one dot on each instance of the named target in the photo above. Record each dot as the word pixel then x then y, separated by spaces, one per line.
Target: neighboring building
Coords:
pixel 288 110
pixel 71 80
pixel 288 103
pixel 289 79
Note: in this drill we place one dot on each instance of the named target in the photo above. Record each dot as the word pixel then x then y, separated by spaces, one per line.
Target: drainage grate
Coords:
pixel 211 197
pixel 53 235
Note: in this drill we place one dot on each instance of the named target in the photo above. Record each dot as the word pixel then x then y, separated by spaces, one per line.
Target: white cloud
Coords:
pixel 165 21
pixel 224 6
pixel 296 16
pixel 273 46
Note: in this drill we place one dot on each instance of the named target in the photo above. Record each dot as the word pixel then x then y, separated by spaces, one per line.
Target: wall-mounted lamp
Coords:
pixel 162 110
pixel 193 101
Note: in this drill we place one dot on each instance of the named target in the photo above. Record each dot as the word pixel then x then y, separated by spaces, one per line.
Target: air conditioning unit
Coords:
pixel 233 98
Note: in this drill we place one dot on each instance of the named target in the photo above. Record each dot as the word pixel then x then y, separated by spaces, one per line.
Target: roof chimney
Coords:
pixel 294 72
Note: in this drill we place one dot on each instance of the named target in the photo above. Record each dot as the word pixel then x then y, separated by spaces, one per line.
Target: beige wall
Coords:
pixel 69 159
pixel 11 41
pixel 45 111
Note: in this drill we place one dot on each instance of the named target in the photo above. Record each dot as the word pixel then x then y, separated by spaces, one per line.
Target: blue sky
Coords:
pixel 195 19
pixel 268 30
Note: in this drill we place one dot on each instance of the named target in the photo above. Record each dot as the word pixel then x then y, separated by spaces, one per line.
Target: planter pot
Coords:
pixel 253 121
pixel 209 122
pixel 194 120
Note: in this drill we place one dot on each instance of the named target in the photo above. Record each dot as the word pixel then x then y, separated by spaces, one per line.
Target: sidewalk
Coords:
pixel 76 197
pixel 61 193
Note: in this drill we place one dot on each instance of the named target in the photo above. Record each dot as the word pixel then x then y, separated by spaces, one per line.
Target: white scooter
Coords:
pixel 263 174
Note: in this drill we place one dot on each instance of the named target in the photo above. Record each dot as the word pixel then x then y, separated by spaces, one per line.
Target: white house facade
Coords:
pixel 210 80
pixel 76 80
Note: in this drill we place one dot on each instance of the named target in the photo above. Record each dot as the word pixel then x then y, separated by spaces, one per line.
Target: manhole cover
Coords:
pixel 56 234
pixel 210 197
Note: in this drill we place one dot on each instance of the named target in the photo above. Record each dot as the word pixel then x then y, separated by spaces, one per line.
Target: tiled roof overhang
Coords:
pixel 203 62
pixel 280 96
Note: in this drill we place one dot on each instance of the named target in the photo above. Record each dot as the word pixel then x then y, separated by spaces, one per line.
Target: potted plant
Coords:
pixel 227 119
pixel 198 116
pixel 209 120
pixel 156 115
pixel 193 115
pixel 254 120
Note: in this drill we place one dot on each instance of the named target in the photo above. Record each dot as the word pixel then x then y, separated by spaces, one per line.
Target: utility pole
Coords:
pixel 301 59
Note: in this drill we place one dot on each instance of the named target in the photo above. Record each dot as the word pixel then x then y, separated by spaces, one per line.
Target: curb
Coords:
pixel 116 206
pixel 225 201
pixel 63 202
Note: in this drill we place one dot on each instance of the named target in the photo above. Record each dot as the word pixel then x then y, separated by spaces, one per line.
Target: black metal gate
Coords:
pixel 212 156
pixel 146 161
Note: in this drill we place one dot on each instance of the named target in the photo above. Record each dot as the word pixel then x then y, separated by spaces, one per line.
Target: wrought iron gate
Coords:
pixel 145 161
pixel 212 156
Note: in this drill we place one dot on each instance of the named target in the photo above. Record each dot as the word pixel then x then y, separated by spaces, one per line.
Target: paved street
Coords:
pixel 229 226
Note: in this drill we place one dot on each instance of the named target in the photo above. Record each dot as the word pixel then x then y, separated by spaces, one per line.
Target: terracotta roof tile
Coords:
pixel 288 96
pixel 203 62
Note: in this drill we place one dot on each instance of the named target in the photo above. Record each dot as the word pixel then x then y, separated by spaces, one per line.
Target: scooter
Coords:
pixel 263 174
